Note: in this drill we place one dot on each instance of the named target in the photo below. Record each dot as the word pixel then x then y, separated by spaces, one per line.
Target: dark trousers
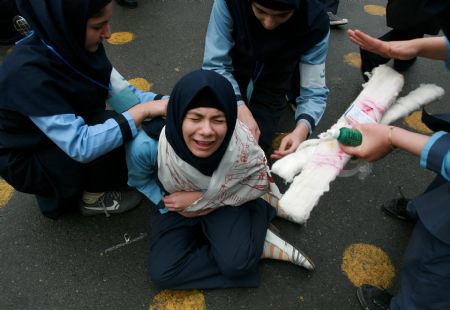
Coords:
pixel 425 274
pixel 57 180
pixel 267 97
pixel 218 250
pixel 331 5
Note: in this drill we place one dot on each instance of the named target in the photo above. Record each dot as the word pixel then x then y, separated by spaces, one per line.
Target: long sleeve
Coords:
pixel 141 156
pixel 218 44
pixel 312 101
pixel 435 155
pixel 83 142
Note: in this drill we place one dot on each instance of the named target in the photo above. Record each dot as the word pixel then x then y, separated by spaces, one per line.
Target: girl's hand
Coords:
pixel 179 201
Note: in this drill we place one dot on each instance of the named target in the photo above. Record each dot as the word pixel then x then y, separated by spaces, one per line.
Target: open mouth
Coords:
pixel 203 144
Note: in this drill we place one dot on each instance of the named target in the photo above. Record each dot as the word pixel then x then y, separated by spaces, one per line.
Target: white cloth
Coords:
pixel 242 175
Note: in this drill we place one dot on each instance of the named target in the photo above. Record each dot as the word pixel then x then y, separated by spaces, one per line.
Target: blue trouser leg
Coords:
pixel 425 276
pixel 219 250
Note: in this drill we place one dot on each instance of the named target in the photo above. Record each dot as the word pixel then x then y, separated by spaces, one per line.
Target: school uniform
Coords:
pixel 52 91
pixel 223 248
pixel 260 63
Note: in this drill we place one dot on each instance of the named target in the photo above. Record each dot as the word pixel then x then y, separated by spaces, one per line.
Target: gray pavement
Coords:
pixel 78 263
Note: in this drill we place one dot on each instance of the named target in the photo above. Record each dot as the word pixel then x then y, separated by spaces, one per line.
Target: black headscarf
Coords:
pixel 35 81
pixel 307 26
pixel 200 88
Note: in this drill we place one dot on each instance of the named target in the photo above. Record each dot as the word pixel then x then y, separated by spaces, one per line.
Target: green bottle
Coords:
pixel 348 136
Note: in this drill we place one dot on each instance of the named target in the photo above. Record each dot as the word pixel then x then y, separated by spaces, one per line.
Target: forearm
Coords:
pixel 431 47
pixel 408 141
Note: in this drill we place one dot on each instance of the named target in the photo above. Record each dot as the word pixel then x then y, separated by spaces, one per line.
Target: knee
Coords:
pixel 237 266
pixel 162 276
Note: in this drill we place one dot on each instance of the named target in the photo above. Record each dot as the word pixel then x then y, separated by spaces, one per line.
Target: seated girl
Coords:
pixel 212 228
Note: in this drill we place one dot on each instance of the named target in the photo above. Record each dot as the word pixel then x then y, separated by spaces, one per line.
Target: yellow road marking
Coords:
pixel 141 84
pixel 178 300
pixel 377 10
pixel 367 264
pixel 121 38
pixel 353 59
pixel 6 192
pixel 415 121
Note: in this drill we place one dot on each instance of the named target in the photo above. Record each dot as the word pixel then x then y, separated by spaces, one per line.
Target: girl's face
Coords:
pixel 98 29
pixel 270 19
pixel 204 130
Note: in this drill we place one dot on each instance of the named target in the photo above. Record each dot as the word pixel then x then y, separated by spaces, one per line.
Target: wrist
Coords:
pixel 390 137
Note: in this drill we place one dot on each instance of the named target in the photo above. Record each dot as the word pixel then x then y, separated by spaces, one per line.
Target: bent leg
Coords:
pixel 49 173
pixel 182 258
pixel 236 235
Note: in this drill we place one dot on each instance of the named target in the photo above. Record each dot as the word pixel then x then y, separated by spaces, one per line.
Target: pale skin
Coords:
pixel 429 47
pixel 204 130
pixel 375 143
pixel 379 140
pixel 98 29
pixel 271 19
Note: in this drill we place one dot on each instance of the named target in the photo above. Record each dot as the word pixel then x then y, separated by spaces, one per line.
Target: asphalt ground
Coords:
pixel 85 263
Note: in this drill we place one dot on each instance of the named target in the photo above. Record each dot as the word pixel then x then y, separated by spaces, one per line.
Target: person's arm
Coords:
pixel 429 47
pixel 378 140
pixel 435 155
pixel 141 157
pixel 312 101
pixel 85 143
pixel 218 44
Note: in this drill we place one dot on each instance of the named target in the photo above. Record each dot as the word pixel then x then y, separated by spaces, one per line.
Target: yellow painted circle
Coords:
pixel 6 192
pixel 178 300
pixel 353 59
pixel 377 10
pixel 121 38
pixel 141 84
pixel 367 264
pixel 414 121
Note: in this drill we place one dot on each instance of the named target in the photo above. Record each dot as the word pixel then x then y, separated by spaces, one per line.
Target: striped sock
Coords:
pixel 273 252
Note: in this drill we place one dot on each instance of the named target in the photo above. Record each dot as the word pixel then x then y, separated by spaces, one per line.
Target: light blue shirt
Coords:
pixel 83 142
pixel 436 153
pixel 313 90
pixel 142 156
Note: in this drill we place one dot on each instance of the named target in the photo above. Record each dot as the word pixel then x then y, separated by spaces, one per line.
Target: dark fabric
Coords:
pixel 34 81
pixel 153 127
pixel 125 129
pixel 436 122
pixel 308 26
pixel 96 6
pixel 219 250
pixel 437 153
pixel 433 209
pixel 425 274
pixel 440 10
pixel 331 5
pixel 183 95
pixel 410 16
pixel 279 5
pixel 8 35
pixel 268 98
pixel 56 179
